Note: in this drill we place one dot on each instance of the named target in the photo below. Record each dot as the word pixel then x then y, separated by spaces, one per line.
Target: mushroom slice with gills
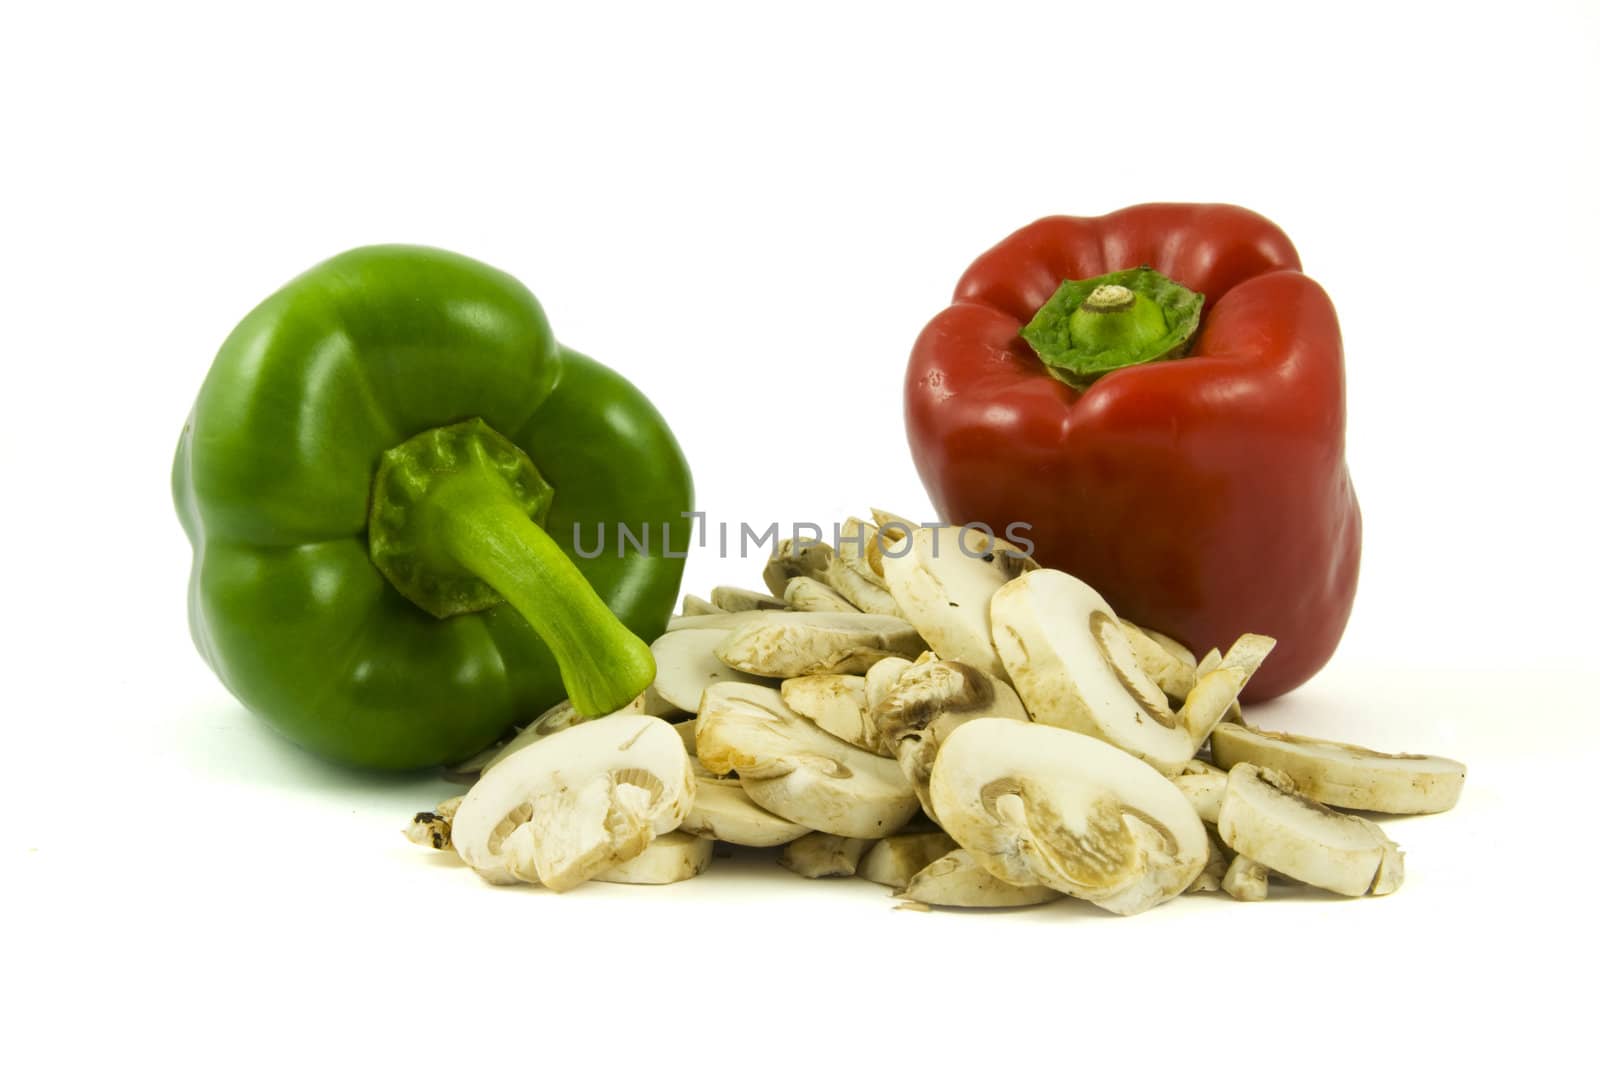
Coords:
pixel 1245 879
pixel 836 702
pixel 895 860
pixel 1037 805
pixel 1344 775
pixel 1263 817
pixel 943 579
pixel 790 643
pixel 431 829
pixel 804 593
pixel 957 879
pixel 695 606
pixel 687 663
pixel 1072 665
pixel 924 707
pixel 1202 784
pixel 823 855
pixel 1163 659
pixel 724 811
pixel 881 678
pixel 576 803
pixel 793 558
pixel 795 770
pixel 735 600
pixel 670 857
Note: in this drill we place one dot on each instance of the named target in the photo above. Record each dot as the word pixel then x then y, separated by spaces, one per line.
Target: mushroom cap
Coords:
pixel 796 770
pixel 575 803
pixel 724 811
pixel 1038 805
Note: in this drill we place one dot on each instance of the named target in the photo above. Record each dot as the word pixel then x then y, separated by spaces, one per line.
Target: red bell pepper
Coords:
pixel 1199 483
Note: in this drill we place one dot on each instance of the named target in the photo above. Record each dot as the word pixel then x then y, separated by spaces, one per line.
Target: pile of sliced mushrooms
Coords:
pixel 928 709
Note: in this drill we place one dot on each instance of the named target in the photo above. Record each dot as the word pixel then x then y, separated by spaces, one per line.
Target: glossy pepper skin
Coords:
pixel 1205 496
pixel 273 481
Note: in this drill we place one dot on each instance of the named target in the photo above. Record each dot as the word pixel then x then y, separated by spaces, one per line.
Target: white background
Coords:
pixel 751 211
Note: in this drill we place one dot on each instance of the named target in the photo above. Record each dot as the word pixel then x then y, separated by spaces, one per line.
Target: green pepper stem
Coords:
pixel 603 665
pixel 455 527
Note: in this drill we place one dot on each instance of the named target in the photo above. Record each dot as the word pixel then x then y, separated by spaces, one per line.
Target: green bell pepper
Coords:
pixel 382 480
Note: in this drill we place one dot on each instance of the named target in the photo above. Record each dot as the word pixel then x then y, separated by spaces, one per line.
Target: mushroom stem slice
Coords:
pixel 943 579
pixel 957 879
pixel 804 593
pixel 1218 689
pixel 1263 817
pixel 669 858
pixel 571 805
pixel 895 860
pixel 797 771
pixel 735 600
pixel 1344 775
pixel 1037 805
pixel 1210 878
pixel 793 644
pixel 431 829
pixel 1245 879
pixel 724 811
pixel 1163 659
pixel 687 664
pixel 791 559
pixel 836 702
pixel 1202 785
pixel 824 855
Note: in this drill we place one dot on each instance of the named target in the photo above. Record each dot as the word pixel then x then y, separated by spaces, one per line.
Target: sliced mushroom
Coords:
pixel 1263 817
pixel 1245 879
pixel 1071 662
pixel 735 600
pixel 558 718
pixel 1163 659
pixel 687 663
pixel 431 829
pixel 823 855
pixel 695 606
pixel 1344 775
pixel 1037 805
pixel 686 734
pixel 670 857
pixel 576 803
pixel 957 879
pixel 793 644
pixel 892 525
pixel 724 811
pixel 924 707
pixel 861 549
pixel 804 593
pixel 794 769
pixel 895 860
pixel 865 595
pixel 1210 877
pixel 881 678
pixel 836 702
pixel 943 579
pixel 791 559
pixel 1202 784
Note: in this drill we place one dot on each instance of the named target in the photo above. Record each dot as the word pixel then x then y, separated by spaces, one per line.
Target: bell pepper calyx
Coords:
pixel 1090 327
pixel 455 525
